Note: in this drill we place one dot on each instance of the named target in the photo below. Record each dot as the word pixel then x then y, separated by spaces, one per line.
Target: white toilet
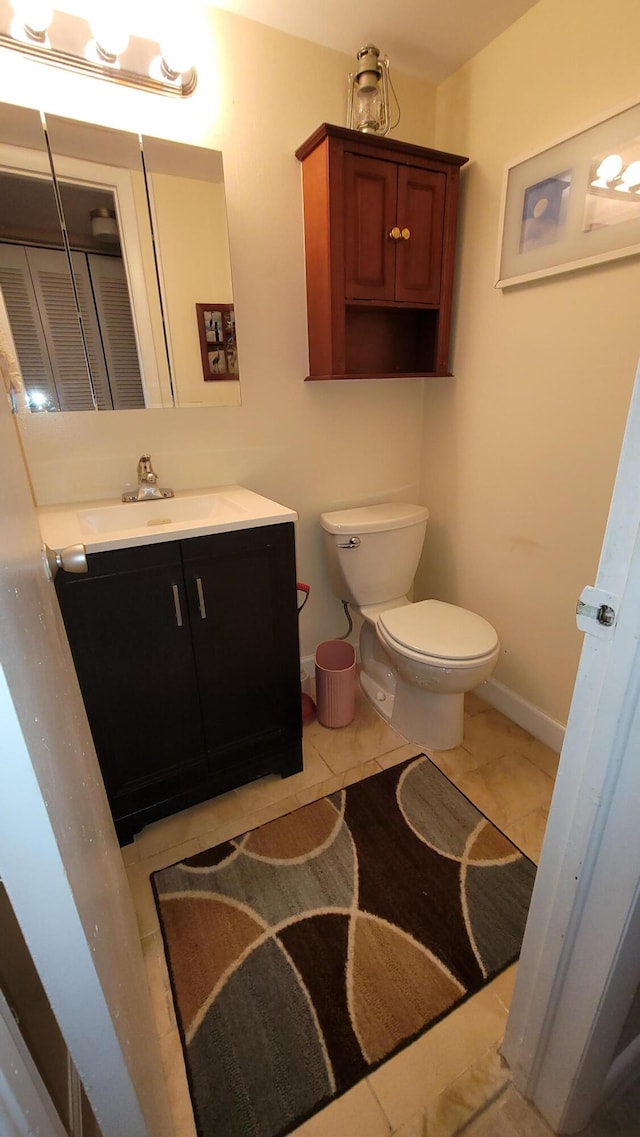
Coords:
pixel 417 660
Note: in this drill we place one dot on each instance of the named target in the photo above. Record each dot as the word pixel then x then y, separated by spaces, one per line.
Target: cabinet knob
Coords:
pixel 395 233
pixel 405 234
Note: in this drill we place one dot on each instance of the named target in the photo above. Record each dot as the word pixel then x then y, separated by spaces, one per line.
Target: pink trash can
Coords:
pixel 335 682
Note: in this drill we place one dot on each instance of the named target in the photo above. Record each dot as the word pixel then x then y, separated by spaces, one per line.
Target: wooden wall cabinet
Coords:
pixel 380 226
pixel 188 662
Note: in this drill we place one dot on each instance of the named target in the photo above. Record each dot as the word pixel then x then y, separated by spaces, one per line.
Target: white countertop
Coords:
pixel 113 524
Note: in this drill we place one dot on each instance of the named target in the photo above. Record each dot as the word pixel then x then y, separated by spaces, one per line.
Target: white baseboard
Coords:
pixel 525 714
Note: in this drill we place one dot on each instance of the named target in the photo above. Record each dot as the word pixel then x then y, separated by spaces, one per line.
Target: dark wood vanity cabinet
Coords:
pixel 380 222
pixel 188 662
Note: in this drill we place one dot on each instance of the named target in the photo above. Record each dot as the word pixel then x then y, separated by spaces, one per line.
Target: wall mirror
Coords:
pixel 107 244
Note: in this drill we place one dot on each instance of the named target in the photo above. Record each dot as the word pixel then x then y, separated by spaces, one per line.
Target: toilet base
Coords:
pixel 432 721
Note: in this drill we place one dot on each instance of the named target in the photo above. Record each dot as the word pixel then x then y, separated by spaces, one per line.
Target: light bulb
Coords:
pixel 110 32
pixel 631 176
pixel 32 17
pixel 608 169
pixel 176 47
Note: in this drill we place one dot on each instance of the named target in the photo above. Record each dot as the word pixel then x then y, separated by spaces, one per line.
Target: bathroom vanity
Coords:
pixel 380 227
pixel 184 636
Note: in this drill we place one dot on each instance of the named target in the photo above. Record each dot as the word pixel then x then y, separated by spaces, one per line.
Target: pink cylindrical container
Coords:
pixel 335 682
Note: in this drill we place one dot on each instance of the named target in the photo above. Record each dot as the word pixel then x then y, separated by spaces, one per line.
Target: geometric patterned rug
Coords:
pixel 306 952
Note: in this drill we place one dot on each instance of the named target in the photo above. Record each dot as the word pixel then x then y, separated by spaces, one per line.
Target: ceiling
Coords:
pixel 426 38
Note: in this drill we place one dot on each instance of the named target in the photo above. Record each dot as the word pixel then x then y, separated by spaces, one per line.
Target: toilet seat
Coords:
pixel 438 633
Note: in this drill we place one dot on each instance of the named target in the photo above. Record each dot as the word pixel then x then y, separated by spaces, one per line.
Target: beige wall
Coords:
pixel 517 455
pixel 520 450
pixel 312 446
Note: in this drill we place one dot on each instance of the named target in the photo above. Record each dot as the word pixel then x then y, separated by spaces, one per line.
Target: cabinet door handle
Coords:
pixel 395 233
pixel 405 234
pixel 176 601
pixel 201 606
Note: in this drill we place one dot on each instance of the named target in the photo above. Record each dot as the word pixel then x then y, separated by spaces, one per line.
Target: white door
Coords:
pixel 59 858
pixel 580 965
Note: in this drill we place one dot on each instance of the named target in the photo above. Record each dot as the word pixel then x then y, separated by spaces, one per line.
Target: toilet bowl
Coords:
pixel 417 660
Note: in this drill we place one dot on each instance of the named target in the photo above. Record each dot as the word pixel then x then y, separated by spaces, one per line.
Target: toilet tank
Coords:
pixel 381 564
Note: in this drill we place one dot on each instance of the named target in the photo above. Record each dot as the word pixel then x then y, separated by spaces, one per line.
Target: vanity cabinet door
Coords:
pixel 128 628
pixel 242 603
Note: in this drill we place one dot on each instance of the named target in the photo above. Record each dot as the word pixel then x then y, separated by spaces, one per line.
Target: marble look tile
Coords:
pixel 503 985
pixel 368 736
pixel 265 814
pixel 272 788
pixel 507 789
pixel 206 817
pixel 357 1113
pixel 394 757
pixel 528 832
pixel 480 1084
pixel 474 704
pixel 411 1081
pixel 489 735
pixel 130 853
pixel 454 763
pixel 414 1127
pixel 143 901
pixel 159 986
pixel 542 756
pixel 177 1087
pixel 509 1116
pixel 339 781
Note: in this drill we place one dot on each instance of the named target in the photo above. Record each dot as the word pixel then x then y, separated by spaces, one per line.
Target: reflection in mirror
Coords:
pixel 188 206
pixel 44 363
pixel 100 178
pixel 149 356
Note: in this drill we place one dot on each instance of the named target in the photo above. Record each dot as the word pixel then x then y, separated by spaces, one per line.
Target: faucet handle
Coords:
pixel 145 469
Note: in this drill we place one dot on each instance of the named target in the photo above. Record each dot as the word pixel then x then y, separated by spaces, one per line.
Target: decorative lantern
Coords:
pixel 368 105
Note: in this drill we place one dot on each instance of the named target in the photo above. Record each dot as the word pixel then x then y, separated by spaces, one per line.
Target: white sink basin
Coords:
pixel 125 516
pixel 114 524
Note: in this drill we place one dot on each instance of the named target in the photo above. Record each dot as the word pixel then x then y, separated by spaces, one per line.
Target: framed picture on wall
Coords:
pixel 575 204
pixel 218 347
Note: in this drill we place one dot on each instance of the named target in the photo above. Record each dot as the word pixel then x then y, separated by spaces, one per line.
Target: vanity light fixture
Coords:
pixel 103 45
pixel 369 86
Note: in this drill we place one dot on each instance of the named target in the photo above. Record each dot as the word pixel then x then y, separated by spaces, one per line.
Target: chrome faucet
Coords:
pixel 148 488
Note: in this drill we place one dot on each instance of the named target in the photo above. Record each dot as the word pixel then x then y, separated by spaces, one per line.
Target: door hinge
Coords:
pixel 596 612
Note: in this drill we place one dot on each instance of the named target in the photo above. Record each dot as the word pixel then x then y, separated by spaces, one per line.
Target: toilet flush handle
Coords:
pixel 352 543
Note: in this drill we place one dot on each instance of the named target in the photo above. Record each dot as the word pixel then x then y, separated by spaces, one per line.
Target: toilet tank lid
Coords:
pixel 374 518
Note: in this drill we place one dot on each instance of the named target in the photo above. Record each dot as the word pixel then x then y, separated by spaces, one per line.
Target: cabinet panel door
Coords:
pixel 242 599
pixel 136 669
pixel 370 215
pixel 421 196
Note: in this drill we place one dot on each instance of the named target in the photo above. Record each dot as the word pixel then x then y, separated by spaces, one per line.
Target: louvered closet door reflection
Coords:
pixel 111 295
pixel 26 326
pixel 57 306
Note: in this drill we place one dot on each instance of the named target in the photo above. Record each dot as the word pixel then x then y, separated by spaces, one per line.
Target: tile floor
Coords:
pixel 510 1116
pixel 435 1086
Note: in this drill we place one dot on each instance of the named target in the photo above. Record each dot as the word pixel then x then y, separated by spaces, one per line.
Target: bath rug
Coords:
pixel 306 952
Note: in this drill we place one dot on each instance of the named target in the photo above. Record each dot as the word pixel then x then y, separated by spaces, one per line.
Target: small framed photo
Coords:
pixel 575 204
pixel 217 335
